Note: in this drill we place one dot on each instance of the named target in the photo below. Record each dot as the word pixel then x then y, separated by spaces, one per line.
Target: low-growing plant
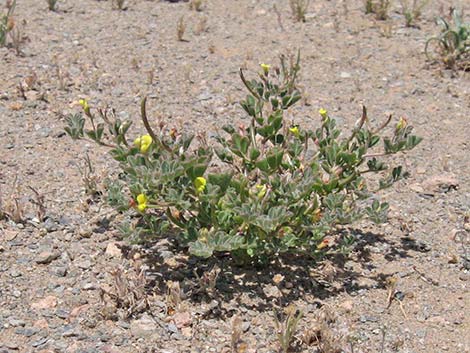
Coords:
pixel 51 4
pixel 6 22
pixel 119 4
pixel 299 9
pixel 180 29
pixel 237 344
pixel 452 45
pixel 281 189
pixel 412 10
pixel 201 26
pixel 89 177
pixel 195 5
pixel 286 326
pixel 13 207
pixel 378 7
pixel 17 36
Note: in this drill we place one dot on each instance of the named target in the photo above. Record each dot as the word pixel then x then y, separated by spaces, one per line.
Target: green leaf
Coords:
pixel 200 249
pixel 413 141
pixel 274 158
pixel 254 154
pixel 240 144
pixel 263 165
pixel 275 120
pixel 196 168
pixel 222 180
pixel 229 129
pixel 99 131
pixel 186 141
pixel 75 124
pixel 220 241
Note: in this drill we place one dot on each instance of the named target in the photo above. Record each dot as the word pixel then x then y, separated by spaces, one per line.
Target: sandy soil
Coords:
pixel 54 271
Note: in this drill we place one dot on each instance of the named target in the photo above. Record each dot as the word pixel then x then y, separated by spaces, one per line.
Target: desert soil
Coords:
pixel 59 275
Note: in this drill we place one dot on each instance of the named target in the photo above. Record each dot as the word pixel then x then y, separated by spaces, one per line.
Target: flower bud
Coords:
pixel 200 184
pixel 265 68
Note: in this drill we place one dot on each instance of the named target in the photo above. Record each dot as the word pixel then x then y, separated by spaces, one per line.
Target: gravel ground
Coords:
pixel 69 283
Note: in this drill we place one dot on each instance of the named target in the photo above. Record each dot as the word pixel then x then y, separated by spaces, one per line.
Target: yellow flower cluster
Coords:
pixel 261 191
pixel 85 106
pixel 200 184
pixel 265 68
pixel 402 123
pixel 323 113
pixel 142 202
pixel 143 143
pixel 294 131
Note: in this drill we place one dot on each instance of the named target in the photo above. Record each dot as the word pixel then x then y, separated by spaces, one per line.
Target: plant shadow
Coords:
pixel 284 280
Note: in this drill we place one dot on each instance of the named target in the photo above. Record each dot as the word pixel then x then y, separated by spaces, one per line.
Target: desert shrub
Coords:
pixel 6 22
pixel 378 7
pixel 299 9
pixel 51 4
pixel 119 4
pixel 412 10
pixel 452 45
pixel 277 187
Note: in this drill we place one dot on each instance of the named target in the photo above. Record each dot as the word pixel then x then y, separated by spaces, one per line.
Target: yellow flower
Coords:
pixel 401 124
pixel 200 184
pixel 141 202
pixel 323 244
pixel 143 142
pixel 294 131
pixel 261 191
pixel 323 113
pixel 265 68
pixel 85 106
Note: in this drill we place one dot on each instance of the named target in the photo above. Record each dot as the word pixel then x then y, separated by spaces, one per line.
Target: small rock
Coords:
pixel 11 345
pixel 245 326
pixel 84 264
pixel 165 254
pixel 345 75
pixel 187 332
pixel 278 278
pixel 366 318
pixel 172 328
pixel 60 271
pixel 89 286
pixel 15 273
pixel 85 233
pixel 41 324
pixel 347 305
pixel 112 250
pixel 70 333
pixel 47 257
pixel 77 311
pixel 61 313
pixel 182 319
pixel 438 320
pixel 31 95
pixel 16 322
pixel 39 342
pixel 50 225
pixel 441 183
pixel 143 327
pixel 45 132
pixel 9 235
pixel 27 332
pixel 271 291
pixel 45 303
